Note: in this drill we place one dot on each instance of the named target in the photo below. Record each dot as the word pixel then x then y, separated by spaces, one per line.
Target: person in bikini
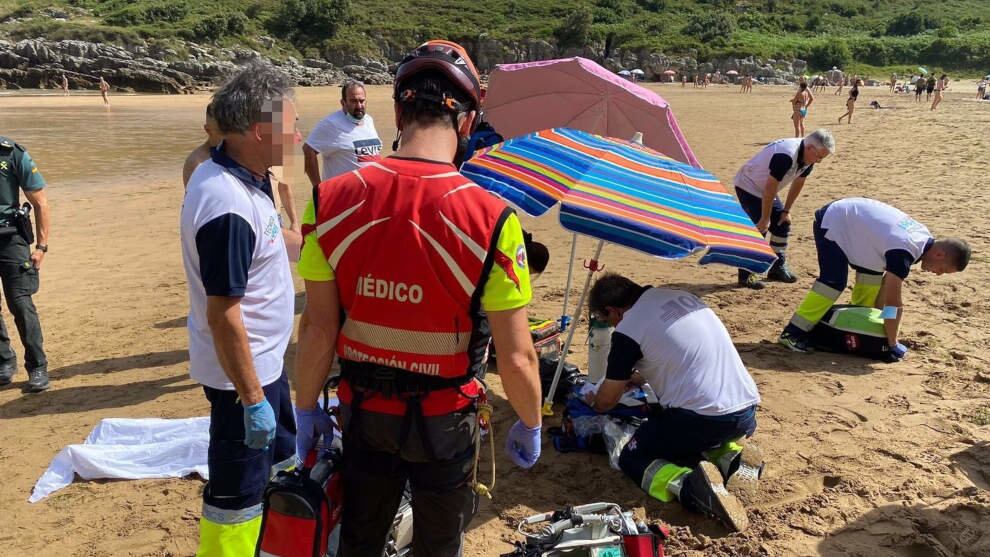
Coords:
pixel 800 103
pixel 851 103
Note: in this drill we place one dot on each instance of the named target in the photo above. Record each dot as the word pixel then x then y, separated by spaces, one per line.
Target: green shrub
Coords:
pixel 830 53
pixel 711 27
pixel 305 21
pixel 575 31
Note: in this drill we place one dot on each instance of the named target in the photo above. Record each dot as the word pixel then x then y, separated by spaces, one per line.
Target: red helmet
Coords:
pixel 448 58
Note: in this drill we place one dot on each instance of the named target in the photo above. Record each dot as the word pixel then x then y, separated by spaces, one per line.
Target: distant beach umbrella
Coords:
pixel 638 71
pixel 732 72
pixel 625 73
pixel 669 72
pixel 923 70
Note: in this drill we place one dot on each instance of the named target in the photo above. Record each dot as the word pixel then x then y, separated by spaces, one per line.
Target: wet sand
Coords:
pixel 863 458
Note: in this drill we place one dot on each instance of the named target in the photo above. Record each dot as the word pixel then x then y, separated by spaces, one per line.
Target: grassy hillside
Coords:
pixel 952 34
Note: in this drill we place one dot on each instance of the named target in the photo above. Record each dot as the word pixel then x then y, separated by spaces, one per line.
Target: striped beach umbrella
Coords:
pixel 622 193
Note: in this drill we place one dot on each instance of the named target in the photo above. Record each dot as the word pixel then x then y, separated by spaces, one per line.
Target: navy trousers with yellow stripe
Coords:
pixel 833 276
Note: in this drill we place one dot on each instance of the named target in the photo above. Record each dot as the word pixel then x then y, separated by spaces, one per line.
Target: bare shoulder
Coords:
pixel 195 158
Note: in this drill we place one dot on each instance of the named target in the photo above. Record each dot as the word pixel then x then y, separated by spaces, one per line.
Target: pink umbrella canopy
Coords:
pixel 578 93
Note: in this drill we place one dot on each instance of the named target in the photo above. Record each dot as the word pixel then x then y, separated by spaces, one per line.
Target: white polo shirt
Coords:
pixel 232 246
pixel 681 348
pixel 782 159
pixel 343 144
pixel 871 233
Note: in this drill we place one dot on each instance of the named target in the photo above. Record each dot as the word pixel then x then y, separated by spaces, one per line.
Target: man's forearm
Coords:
pixel 234 353
pixel 793 194
pixel 314 355
pixel 312 168
pixel 42 227
pixel 288 203
pixel 520 380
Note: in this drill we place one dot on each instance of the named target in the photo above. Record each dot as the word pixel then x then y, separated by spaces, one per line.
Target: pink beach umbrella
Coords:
pixel 580 94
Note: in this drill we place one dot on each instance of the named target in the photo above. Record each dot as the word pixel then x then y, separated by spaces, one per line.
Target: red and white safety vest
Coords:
pixel 410 243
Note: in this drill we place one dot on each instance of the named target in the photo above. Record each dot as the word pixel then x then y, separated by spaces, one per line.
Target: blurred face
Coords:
pixel 611 315
pixel 278 130
pixel 814 153
pixel 937 261
pixel 355 102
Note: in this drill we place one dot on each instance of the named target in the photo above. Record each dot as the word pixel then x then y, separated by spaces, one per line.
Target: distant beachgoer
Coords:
pixel 749 84
pixel 346 140
pixel 919 88
pixel 941 85
pixel 893 82
pixel 842 83
pixel 683 80
pixel 800 103
pixel 202 153
pixel 930 87
pixel 65 86
pixel 851 103
pixel 708 80
pixel 105 91
pixel 981 89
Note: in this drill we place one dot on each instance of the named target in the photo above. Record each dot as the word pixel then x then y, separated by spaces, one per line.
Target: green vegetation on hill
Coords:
pixel 951 34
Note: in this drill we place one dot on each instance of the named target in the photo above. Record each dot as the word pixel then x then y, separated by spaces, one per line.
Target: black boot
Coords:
pixel 37 381
pixel 704 491
pixel 749 280
pixel 780 272
pixel 7 371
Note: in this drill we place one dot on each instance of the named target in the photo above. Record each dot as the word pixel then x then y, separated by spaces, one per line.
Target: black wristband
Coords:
pixel 43 248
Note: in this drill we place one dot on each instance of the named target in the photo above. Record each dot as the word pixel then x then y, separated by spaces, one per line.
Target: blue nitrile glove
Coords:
pixel 898 351
pixel 523 445
pixel 310 426
pixel 259 425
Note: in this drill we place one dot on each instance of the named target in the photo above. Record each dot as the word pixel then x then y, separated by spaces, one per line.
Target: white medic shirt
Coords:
pixel 783 159
pixel 684 353
pixel 869 231
pixel 232 246
pixel 344 145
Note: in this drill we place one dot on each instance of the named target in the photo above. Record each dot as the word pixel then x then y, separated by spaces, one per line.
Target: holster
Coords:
pixel 22 223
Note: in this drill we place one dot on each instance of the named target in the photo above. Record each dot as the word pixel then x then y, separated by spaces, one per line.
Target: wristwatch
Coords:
pixel 43 248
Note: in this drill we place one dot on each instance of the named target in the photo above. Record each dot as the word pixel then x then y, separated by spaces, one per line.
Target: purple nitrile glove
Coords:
pixel 310 426
pixel 523 445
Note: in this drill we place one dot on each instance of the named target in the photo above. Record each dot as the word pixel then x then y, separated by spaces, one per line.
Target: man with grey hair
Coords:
pixel 241 302
pixel 346 139
pixel 780 164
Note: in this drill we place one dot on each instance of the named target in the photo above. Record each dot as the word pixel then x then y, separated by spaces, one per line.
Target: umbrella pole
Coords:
pixel 592 266
pixel 564 318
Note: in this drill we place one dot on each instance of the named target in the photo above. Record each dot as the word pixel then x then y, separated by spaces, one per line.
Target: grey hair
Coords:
pixel 347 86
pixel 248 95
pixel 958 251
pixel 822 138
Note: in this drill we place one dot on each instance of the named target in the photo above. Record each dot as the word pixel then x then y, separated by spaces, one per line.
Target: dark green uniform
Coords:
pixel 18 275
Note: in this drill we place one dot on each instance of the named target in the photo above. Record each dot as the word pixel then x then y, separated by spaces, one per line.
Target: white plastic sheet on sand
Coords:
pixel 131 449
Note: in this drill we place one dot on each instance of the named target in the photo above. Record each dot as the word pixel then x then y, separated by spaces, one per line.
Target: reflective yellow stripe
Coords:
pixel 813 308
pixel 865 294
pixel 228 540
pixel 402 340
pixel 658 476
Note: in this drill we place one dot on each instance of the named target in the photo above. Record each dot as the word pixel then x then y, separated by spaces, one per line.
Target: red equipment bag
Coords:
pixel 301 509
pixel 648 544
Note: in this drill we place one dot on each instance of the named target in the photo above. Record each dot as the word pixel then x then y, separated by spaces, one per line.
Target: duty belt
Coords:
pixel 389 381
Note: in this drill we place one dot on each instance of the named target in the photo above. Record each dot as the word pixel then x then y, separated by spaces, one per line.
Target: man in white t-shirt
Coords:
pixel 689 449
pixel 346 140
pixel 881 243
pixel 241 302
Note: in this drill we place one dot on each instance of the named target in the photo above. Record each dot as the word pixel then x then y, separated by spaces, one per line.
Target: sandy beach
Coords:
pixel 863 458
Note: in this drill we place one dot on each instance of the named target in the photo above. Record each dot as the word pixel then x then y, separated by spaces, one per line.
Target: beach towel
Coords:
pixel 131 449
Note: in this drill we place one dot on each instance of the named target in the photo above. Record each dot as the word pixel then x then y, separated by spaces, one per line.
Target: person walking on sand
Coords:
pixel 449 272
pixel 20 262
pixel 940 86
pixel 893 82
pixel 851 103
pixel 981 89
pixel 929 87
pixel 241 305
pixel 105 91
pixel 842 82
pixel 881 243
pixel 65 86
pixel 799 104
pixel 783 163
pixel 919 88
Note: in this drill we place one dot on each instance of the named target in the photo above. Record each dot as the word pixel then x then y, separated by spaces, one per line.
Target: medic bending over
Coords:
pixel 690 449
pixel 881 243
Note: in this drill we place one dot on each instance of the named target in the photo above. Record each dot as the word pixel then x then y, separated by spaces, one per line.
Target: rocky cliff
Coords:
pixel 39 63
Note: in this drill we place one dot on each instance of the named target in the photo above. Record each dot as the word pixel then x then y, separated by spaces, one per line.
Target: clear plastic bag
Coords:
pixel 616 434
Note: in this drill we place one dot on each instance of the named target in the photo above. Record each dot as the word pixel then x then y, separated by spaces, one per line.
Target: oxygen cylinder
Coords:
pixel 599 343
